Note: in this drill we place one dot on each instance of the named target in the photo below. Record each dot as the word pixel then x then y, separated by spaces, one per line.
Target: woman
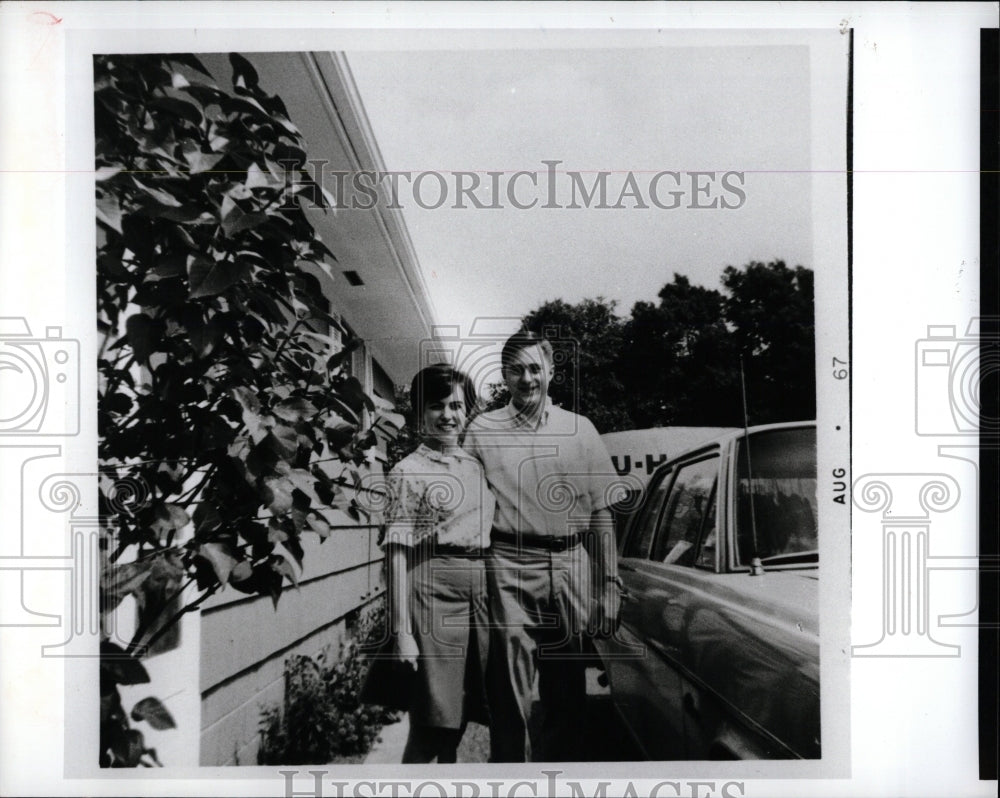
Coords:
pixel 437 526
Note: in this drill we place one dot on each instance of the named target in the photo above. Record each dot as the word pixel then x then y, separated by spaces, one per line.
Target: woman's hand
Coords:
pixel 406 649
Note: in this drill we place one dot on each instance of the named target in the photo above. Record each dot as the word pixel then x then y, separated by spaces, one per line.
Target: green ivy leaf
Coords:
pixel 305 482
pixel 180 108
pixel 206 338
pixel 207 518
pixel 168 517
pixel 258 426
pixel 355 395
pixel 158 196
pixel 337 360
pixel 247 397
pixel 167 266
pixel 340 414
pixel 188 60
pixel 154 713
pixel 394 420
pixel 266 581
pixel 319 525
pixel 119 581
pixel 120 403
pixel 198 161
pixel 106 173
pixel 137 231
pixel 277 530
pixel 277 494
pixel 236 221
pixel 283 566
pixel 109 211
pixel 128 747
pixel 241 573
pixel 244 75
pixel 294 409
pixel 253 532
pixel 258 178
pixel 284 441
pixel 293 547
pixel 286 123
pixel 120 667
pixel 210 278
pixel 142 335
pixel 221 556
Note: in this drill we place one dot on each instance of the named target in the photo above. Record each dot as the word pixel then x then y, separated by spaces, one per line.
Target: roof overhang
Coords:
pixel 391 310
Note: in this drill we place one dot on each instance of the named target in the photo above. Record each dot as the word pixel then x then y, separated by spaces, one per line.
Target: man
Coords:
pixel 551 476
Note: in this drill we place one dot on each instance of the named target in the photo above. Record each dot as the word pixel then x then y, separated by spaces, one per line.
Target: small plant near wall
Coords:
pixel 322 718
pixel 228 420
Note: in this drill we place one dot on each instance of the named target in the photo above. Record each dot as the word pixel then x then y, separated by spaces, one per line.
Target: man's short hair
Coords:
pixel 523 339
pixel 436 382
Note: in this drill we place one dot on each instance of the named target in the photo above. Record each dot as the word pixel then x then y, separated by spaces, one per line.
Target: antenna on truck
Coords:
pixel 756 566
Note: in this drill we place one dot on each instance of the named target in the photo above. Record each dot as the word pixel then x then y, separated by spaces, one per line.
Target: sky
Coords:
pixel 641 110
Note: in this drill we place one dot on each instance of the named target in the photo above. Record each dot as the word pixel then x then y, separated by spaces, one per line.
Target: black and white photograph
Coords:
pixel 504 356
pixel 471 403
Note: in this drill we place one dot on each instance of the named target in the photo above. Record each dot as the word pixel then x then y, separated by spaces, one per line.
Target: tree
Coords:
pixel 677 362
pixel 674 357
pixel 407 438
pixel 681 358
pixel 227 418
pixel 770 312
pixel 587 341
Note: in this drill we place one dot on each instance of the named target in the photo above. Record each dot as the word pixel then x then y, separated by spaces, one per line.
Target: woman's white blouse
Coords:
pixel 441 496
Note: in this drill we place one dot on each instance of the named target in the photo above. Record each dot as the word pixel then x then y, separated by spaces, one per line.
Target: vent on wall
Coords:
pixel 353 277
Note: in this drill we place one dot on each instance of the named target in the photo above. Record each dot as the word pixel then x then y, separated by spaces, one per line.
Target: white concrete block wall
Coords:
pixel 245 640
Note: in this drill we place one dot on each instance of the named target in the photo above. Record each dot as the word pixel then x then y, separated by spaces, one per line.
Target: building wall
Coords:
pixel 241 642
pixel 245 640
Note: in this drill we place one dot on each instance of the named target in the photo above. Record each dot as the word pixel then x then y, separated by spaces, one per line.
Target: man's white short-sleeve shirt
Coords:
pixel 548 475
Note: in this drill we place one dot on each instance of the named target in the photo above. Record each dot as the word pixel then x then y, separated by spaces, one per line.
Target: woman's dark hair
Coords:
pixel 434 383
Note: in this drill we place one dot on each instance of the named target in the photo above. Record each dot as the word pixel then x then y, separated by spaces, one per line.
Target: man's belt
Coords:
pixel 546 542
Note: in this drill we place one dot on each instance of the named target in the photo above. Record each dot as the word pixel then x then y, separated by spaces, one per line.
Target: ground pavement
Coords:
pixel 605 740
